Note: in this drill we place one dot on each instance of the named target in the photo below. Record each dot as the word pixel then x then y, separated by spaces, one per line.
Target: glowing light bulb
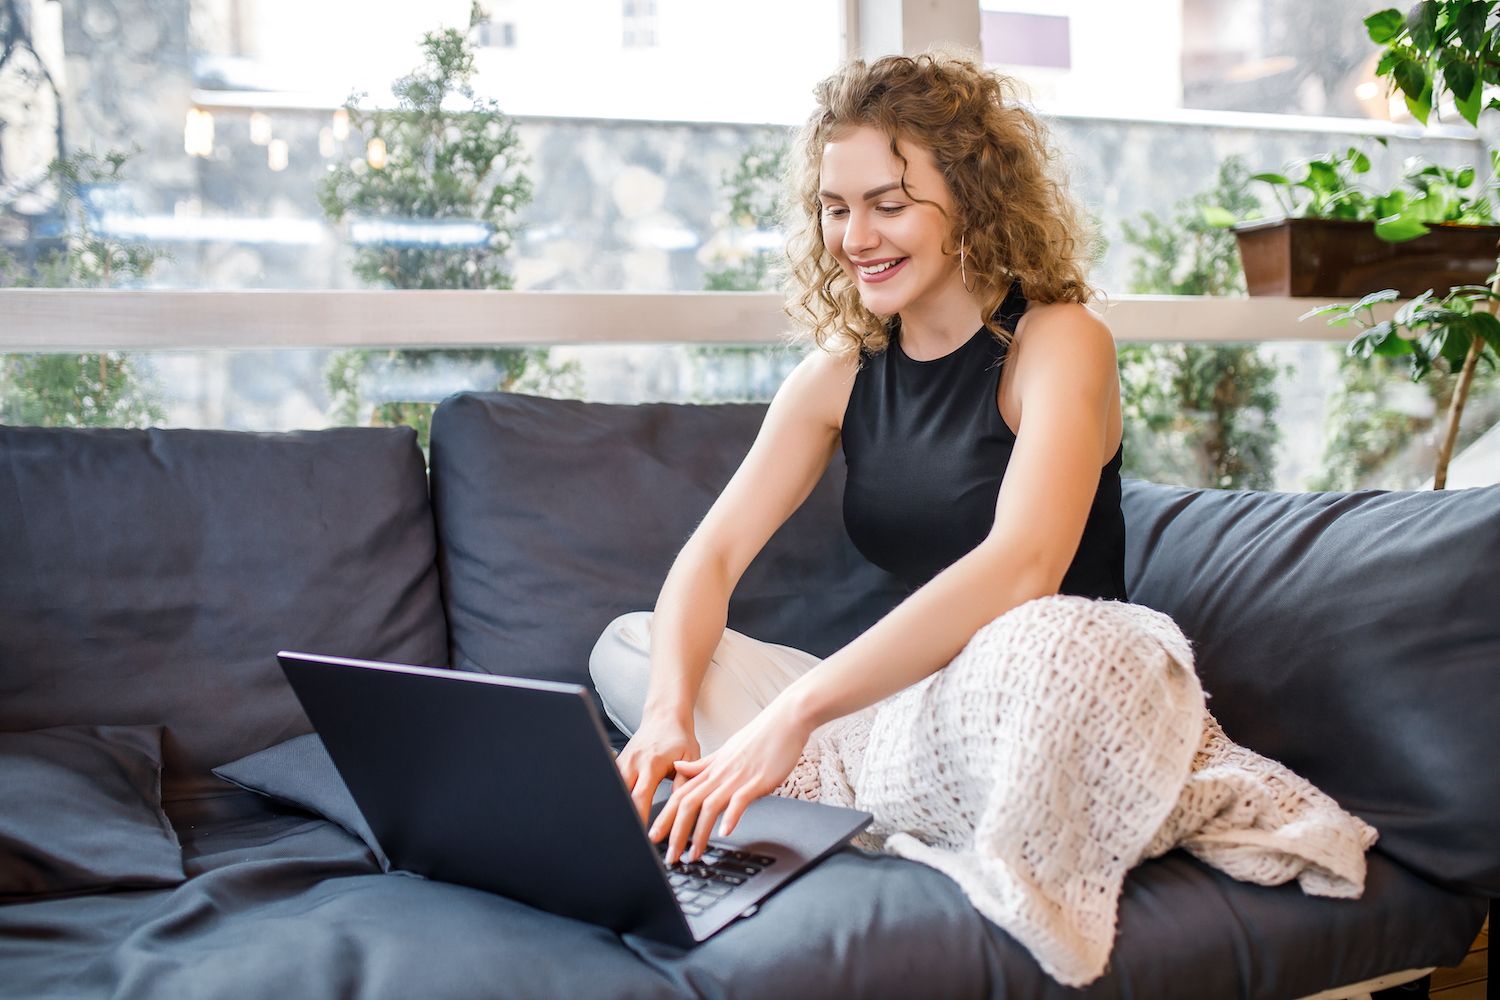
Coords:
pixel 375 153
pixel 341 124
pixel 276 154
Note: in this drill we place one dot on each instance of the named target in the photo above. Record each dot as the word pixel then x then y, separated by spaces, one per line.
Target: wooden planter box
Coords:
pixel 1332 258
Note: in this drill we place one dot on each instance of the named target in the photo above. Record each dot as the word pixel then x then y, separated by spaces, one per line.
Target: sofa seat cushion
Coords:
pixel 150 576
pixel 82 812
pixel 556 516
pixel 1355 638
pixel 286 905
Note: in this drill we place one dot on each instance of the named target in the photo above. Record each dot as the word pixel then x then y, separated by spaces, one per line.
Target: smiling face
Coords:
pixel 888 240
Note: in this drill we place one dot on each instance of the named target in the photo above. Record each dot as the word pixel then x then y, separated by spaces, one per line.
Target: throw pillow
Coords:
pixel 82 812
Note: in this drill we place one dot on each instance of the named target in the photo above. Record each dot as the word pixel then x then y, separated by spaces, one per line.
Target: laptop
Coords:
pixel 508 784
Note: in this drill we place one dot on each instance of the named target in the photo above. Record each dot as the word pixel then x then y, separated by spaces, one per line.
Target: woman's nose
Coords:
pixel 859 236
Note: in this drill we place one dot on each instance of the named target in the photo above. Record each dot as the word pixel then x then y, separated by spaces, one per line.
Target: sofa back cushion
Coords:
pixel 150 576
pixel 1356 638
pixel 555 516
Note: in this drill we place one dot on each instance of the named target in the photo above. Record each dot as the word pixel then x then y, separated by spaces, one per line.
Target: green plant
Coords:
pixel 438 192
pixel 1427 194
pixel 1450 46
pixel 1327 190
pixel 1378 421
pixel 1198 415
pixel 106 389
pixel 754 189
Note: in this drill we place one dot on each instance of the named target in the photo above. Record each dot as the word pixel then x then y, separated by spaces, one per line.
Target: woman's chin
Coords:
pixel 883 305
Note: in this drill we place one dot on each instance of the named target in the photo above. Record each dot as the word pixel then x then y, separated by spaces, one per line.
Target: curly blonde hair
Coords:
pixel 1016 221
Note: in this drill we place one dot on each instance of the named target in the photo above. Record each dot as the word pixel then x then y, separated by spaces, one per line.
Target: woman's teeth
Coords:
pixel 877 268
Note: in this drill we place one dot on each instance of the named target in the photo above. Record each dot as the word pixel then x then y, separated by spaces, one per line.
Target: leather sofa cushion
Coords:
pixel 555 516
pixel 149 577
pixel 1355 637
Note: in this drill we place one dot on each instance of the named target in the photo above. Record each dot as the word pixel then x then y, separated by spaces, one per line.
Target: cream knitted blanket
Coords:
pixel 1069 741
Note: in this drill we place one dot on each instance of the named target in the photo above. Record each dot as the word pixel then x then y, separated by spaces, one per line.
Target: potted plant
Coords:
pixel 1336 238
pixel 1453 47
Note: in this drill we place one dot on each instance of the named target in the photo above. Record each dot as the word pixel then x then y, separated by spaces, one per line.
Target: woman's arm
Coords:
pixel 792 450
pixel 1067 385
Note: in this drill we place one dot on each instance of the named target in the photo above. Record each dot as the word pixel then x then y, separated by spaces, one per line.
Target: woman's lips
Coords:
pixel 881 275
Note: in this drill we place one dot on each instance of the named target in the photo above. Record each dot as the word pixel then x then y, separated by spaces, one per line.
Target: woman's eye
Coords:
pixel 834 212
pixel 891 209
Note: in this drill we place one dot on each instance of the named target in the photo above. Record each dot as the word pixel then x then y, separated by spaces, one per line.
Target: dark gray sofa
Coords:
pixel 147 578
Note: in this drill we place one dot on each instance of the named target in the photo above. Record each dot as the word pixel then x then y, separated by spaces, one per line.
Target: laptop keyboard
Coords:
pixel 699 884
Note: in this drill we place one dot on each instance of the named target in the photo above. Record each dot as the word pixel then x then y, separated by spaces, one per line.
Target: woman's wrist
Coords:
pixel 669 711
pixel 802 705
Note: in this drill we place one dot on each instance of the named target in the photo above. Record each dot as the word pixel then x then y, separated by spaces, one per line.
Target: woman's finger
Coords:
pixel 738 803
pixel 682 824
pixel 641 795
pixel 712 806
pixel 663 821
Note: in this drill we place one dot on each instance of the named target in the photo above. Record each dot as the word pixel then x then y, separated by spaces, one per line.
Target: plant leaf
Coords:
pixel 1422 24
pixel 1217 216
pixel 1468 106
pixel 1470 24
pixel 1488 327
pixel 1390 204
pixel 1411 77
pixel 1421 106
pixel 1400 228
pixel 1282 179
pixel 1403 316
pixel 1389 345
pixel 1374 298
pixel 1321 176
pixel 1348 313
pixel 1384 25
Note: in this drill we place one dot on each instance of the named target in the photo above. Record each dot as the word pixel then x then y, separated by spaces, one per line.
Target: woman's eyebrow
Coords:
pixel 872 193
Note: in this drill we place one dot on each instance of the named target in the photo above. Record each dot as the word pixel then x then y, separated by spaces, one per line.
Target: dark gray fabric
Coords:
pixel 301 773
pixel 1353 636
pixel 150 576
pixel 555 516
pixel 288 906
pixel 80 810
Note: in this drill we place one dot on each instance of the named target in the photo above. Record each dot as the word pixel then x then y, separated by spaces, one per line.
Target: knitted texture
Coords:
pixel 1067 742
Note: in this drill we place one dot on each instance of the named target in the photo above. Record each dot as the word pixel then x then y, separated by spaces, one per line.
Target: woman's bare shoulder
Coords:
pixel 822 381
pixel 1062 333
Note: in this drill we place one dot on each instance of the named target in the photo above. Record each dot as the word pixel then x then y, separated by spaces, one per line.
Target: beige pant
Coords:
pixel 743 675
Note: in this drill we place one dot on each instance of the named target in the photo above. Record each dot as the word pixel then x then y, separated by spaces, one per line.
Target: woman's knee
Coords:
pixel 624 645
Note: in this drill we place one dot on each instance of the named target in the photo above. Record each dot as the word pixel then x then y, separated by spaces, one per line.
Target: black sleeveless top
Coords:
pixel 926 450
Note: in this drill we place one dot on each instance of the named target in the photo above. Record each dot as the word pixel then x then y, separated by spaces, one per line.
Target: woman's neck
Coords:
pixel 934 328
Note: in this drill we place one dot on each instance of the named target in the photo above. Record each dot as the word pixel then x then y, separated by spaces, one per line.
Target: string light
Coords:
pixel 375 153
pixel 276 154
pixel 341 124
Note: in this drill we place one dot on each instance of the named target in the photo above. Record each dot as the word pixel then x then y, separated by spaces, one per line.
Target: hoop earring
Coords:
pixel 963 274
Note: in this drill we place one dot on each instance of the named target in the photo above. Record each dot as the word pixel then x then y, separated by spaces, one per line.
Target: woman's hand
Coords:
pixel 650 756
pixel 753 762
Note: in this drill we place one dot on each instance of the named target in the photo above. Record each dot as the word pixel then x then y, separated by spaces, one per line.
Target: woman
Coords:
pixel 933 244
pixel 1015 722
